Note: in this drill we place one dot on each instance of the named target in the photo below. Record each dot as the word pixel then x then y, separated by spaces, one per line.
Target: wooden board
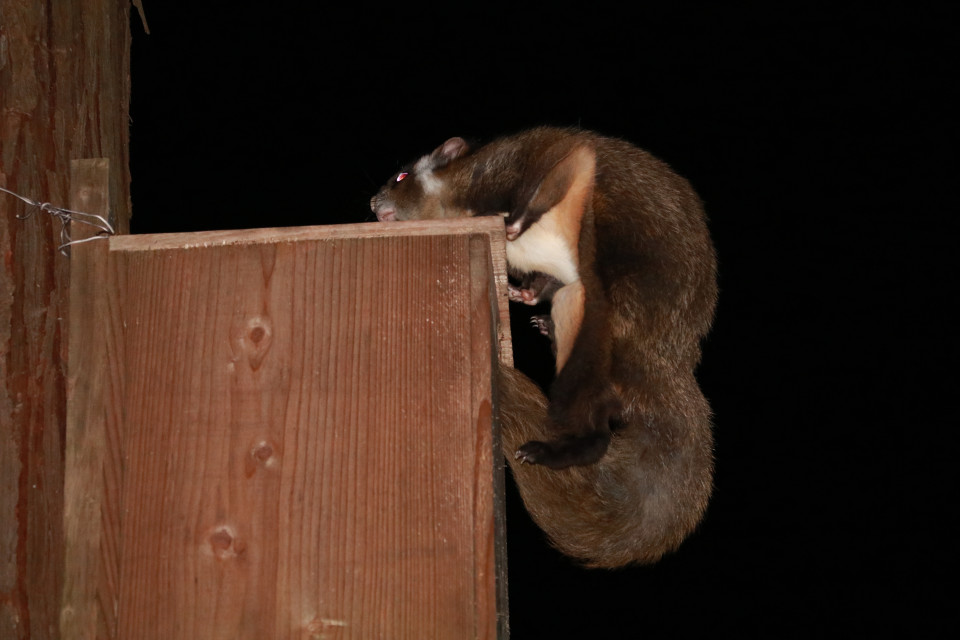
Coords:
pixel 92 451
pixel 491 228
pixel 307 443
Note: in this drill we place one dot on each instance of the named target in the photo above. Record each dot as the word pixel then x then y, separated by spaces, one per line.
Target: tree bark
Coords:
pixel 64 95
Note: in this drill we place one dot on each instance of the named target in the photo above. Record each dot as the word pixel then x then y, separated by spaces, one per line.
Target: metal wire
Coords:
pixel 65 216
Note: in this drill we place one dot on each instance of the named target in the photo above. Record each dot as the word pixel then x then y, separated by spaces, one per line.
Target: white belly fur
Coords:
pixel 543 248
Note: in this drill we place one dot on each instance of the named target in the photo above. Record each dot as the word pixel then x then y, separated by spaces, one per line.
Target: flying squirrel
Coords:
pixel 617 466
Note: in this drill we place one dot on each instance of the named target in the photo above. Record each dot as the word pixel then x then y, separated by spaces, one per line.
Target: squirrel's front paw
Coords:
pixel 522 295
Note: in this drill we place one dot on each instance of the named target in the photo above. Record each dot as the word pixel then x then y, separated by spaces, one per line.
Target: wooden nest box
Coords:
pixel 287 433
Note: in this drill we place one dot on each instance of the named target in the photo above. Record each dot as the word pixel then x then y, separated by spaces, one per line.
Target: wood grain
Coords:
pixel 492 227
pixel 64 94
pixel 307 438
pixel 92 440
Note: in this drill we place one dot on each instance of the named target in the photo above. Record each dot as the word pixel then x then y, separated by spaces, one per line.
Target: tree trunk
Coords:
pixel 64 95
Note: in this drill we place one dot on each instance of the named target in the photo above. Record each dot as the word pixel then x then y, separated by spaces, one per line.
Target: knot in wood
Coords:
pixel 224 544
pixel 263 451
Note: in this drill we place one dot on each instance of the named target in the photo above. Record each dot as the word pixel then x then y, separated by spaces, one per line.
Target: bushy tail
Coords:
pixel 638 502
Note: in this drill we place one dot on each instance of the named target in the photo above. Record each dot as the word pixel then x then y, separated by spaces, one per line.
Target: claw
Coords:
pixel 528 452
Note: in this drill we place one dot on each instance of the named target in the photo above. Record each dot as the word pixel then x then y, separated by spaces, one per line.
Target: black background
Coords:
pixel 822 142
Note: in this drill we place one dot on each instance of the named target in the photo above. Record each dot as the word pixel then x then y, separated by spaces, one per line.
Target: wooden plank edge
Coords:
pixel 270 235
pixel 491 226
pixel 490 510
pixel 84 596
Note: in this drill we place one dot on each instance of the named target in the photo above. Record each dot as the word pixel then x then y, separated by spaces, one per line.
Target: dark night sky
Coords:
pixel 819 141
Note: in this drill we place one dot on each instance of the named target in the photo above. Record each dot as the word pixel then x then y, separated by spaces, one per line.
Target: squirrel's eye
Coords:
pixel 402 175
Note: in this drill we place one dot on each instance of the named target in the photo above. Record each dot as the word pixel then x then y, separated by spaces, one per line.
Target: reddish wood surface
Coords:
pixel 490 227
pixel 92 442
pixel 307 433
pixel 64 94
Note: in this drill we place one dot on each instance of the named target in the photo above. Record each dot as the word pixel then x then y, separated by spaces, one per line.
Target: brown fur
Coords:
pixel 638 502
pixel 627 432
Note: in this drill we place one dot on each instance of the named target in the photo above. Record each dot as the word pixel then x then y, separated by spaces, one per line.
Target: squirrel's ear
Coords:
pixel 449 150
